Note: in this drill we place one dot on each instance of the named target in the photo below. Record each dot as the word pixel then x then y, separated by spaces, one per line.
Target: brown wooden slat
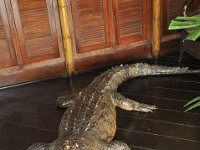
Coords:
pixel 32 73
pixel 37 15
pixel 34 4
pixel 91 24
pixel 39 46
pixel 130 20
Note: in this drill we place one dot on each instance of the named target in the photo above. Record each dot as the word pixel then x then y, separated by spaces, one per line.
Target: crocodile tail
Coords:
pixel 141 69
pixel 123 73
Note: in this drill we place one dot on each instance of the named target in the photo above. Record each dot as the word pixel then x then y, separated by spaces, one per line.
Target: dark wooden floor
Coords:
pixel 28 113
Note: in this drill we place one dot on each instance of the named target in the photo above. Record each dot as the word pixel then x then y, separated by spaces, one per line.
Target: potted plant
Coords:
pixel 189 42
pixel 190 39
pixel 190 23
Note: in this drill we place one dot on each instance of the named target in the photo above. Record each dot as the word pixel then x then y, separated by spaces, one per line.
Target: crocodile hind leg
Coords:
pixel 116 145
pixel 129 104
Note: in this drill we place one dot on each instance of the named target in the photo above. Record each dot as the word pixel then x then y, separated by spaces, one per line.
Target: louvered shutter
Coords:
pixel 91 24
pixel 30 41
pixel 7 55
pixel 172 9
pixel 130 20
pixel 37 35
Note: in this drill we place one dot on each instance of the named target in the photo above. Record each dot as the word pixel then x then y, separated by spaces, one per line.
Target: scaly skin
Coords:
pixel 90 121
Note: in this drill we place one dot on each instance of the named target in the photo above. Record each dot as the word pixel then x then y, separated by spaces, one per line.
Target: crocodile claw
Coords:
pixel 145 108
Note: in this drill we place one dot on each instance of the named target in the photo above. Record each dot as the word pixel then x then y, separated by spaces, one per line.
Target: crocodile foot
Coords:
pixel 145 107
pixel 38 146
pixel 117 145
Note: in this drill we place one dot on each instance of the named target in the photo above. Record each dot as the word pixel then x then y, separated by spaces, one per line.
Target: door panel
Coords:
pixel 109 30
pixel 7 55
pixel 31 42
pixel 34 30
pixel 91 24
pixel 130 20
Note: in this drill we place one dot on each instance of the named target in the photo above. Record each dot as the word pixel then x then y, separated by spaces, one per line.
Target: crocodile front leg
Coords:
pixel 39 146
pixel 116 145
pixel 129 104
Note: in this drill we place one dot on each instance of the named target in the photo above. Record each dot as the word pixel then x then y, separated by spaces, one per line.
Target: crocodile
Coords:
pixel 89 122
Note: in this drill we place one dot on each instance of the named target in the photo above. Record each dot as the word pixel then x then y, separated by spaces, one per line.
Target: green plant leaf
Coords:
pixel 176 25
pixel 193 18
pixel 192 101
pixel 193 106
pixel 195 34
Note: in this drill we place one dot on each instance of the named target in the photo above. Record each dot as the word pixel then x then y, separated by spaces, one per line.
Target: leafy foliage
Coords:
pixel 194 103
pixel 192 24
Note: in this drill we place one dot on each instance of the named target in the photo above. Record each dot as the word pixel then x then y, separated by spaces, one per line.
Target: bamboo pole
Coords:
pixel 156 28
pixel 67 41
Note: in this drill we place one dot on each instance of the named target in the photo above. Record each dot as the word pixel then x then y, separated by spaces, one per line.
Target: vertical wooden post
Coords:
pixel 156 28
pixel 67 41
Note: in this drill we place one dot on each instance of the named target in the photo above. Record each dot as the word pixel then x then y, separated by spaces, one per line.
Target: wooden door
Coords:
pixel 32 26
pixel 130 21
pixel 108 30
pixel 7 52
pixel 36 30
pixel 91 25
